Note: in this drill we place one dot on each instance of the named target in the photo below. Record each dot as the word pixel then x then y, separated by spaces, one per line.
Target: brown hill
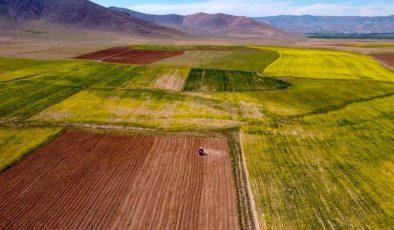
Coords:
pixel 210 24
pixel 81 14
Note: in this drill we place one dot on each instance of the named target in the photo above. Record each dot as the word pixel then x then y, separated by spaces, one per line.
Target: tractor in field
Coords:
pixel 202 152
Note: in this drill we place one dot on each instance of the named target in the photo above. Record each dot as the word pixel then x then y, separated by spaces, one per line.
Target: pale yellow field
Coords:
pixel 328 64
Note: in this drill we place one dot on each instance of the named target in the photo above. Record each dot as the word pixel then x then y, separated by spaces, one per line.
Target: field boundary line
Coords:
pixel 32 150
pixel 249 189
pixel 338 107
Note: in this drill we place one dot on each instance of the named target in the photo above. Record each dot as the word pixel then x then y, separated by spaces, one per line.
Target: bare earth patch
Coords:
pixel 89 181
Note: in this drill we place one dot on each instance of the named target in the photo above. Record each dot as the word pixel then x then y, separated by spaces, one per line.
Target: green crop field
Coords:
pixel 256 60
pixel 230 80
pixel 147 77
pixel 316 125
pixel 328 64
pixel 142 108
pixel 16 142
pixel 329 170
pixel 21 98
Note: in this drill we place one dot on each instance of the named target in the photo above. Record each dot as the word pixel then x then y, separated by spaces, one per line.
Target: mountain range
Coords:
pixel 80 14
pixel 84 14
pixel 331 24
pixel 209 24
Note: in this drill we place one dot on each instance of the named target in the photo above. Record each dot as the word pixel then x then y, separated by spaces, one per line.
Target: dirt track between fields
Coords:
pixel 90 181
pixel 124 55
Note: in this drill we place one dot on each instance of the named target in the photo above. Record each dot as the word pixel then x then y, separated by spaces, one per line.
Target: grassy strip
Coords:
pixel 245 211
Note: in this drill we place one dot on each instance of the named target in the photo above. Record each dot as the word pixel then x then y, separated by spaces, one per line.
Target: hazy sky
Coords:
pixel 259 7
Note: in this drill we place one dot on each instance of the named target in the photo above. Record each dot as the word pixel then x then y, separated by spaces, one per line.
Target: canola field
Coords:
pixel 327 64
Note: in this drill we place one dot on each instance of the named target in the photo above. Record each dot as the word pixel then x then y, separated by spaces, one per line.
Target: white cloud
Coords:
pixel 264 8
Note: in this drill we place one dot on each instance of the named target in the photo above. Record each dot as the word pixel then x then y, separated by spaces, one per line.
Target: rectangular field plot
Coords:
pixel 332 170
pixel 82 180
pixel 20 99
pixel 147 77
pixel 256 60
pixel 227 80
pixel 124 55
pixel 328 64
pixel 16 142
pixel 142 108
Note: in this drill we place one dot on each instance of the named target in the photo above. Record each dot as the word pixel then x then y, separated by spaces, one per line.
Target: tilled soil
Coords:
pixel 106 181
pixel 124 55
pixel 99 55
pixel 386 59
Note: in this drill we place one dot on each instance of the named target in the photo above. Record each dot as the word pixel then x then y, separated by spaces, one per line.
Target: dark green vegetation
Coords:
pixel 229 80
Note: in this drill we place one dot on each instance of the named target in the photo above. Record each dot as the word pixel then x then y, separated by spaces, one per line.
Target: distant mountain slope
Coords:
pixel 210 24
pixel 316 24
pixel 80 14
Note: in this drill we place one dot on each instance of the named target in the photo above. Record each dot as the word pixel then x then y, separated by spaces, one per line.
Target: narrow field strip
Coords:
pixel 228 80
pixel 83 180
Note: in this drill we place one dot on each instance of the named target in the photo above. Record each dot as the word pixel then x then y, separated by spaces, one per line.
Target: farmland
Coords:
pixel 153 181
pixel 147 77
pixel 385 58
pixel 226 80
pixel 327 170
pixel 315 127
pixel 16 142
pixel 328 64
pixel 251 60
pixel 124 55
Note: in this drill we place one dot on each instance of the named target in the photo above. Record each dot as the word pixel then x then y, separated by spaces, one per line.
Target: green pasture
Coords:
pixel 147 77
pixel 332 170
pixel 230 80
pixel 256 60
pixel 307 96
pixel 21 98
pixel 11 69
pixel 327 64
pixel 143 108
pixel 16 142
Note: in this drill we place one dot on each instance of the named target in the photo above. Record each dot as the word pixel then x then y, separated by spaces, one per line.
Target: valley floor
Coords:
pixel 315 126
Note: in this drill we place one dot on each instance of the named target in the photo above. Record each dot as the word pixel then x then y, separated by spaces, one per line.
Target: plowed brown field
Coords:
pixel 387 59
pixel 126 55
pixel 90 181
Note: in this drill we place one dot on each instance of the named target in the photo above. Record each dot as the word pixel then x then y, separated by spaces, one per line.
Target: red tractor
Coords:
pixel 202 152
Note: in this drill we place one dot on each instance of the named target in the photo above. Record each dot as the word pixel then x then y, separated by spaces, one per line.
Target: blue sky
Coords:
pixel 259 7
